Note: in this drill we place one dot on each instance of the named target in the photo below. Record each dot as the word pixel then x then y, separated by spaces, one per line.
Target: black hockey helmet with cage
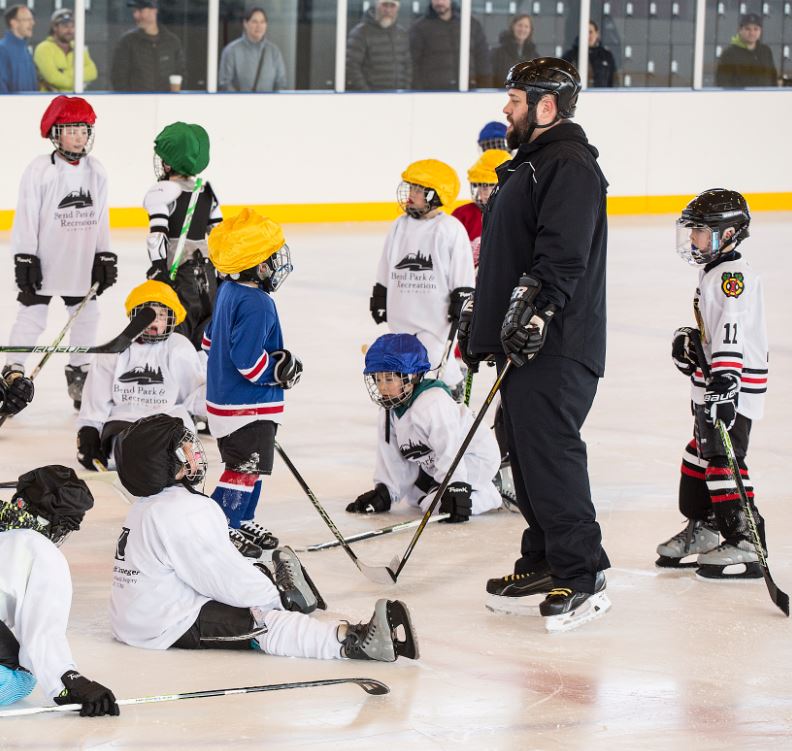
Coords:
pixel 718 209
pixel 547 75
pixel 56 497
pixel 150 453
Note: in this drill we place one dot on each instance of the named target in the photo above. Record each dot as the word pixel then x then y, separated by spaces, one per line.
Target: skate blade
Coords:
pixel 515 605
pixel 594 607
pixel 749 572
pixel 398 615
pixel 665 562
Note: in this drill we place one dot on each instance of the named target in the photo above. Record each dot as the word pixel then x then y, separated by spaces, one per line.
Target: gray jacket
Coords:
pixel 239 63
pixel 378 59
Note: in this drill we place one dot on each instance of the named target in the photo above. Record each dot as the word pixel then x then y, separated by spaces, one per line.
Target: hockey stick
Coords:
pixel 135 328
pixel 452 331
pixel 468 386
pixel 447 479
pixel 371 534
pixel 779 597
pixel 378 574
pixel 59 338
pixel 369 685
pixel 109 476
pixel 185 228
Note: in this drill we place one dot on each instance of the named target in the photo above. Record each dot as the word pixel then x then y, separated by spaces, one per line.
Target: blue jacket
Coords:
pixel 17 71
pixel 240 338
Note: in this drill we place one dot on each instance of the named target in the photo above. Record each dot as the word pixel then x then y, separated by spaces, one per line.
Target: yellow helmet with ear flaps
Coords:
pixel 159 292
pixel 483 171
pixel 244 241
pixel 437 175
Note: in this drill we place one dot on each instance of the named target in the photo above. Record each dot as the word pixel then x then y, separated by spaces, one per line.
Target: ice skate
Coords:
pixel 696 538
pixel 380 638
pixel 519 594
pixel 75 380
pixel 259 535
pixel 565 609
pixel 729 562
pixel 296 589
pixel 244 544
pixel 504 482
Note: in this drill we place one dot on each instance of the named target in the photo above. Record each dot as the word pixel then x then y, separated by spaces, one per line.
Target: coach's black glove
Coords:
pixel 27 269
pixel 104 271
pixel 683 350
pixel 89 447
pixel 720 399
pixel 96 699
pixel 524 327
pixel 463 336
pixel 288 368
pixel 456 501
pixel 16 391
pixel 378 303
pixel 456 302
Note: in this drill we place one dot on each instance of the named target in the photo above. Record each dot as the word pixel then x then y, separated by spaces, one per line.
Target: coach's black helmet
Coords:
pixel 547 75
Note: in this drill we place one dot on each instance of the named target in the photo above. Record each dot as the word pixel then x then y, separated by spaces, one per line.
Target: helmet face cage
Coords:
pixel 164 313
pixel 431 199
pixel 398 387
pixel 480 193
pixel 161 170
pixel 493 143
pixel 60 129
pixel 277 267
pixel 191 458
pixel 697 243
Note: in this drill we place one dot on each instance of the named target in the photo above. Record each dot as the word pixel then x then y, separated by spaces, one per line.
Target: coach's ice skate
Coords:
pixel 565 609
pixel 504 482
pixel 519 594
pixel 259 535
pixel 729 562
pixel 296 589
pixel 380 639
pixel 697 537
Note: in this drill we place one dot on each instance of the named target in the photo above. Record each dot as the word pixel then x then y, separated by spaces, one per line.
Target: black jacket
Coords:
pixel 434 45
pixel 547 218
pixel 739 67
pixel 602 66
pixel 378 59
pixel 506 54
pixel 142 62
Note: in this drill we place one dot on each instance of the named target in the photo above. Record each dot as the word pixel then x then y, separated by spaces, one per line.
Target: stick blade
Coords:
pixel 379 574
pixel 781 599
pixel 372 686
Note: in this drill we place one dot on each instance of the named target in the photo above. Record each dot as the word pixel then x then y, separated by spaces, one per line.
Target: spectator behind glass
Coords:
pixel 378 51
pixel 602 66
pixel 17 72
pixel 746 61
pixel 148 58
pixel 54 57
pixel 516 44
pixel 434 45
pixel 252 62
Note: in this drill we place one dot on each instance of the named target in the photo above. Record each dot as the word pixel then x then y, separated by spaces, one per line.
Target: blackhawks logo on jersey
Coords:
pixel 732 284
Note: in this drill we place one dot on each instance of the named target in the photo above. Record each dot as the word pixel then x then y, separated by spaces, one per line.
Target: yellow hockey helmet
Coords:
pixel 158 292
pixel 436 175
pixel 244 241
pixel 483 171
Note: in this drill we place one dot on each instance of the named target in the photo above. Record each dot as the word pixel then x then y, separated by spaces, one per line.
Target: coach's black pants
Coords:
pixel 545 404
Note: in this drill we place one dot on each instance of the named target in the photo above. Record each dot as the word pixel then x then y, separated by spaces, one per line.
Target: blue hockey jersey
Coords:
pixel 240 388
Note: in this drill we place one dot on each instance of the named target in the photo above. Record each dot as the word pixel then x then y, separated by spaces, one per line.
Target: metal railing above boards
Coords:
pixel 385 45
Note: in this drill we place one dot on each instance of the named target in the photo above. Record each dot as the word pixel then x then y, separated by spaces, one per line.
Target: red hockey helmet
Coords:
pixel 64 110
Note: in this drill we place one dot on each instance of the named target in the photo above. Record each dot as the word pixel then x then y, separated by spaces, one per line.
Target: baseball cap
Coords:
pixel 750 19
pixel 64 15
pixel 141 3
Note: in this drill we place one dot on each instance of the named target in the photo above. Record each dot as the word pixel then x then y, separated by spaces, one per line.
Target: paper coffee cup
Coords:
pixel 175 82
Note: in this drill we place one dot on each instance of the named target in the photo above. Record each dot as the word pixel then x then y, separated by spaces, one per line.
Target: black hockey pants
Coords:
pixel 545 404
pixel 196 286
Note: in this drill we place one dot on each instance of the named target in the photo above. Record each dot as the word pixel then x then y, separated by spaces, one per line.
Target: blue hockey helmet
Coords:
pixel 492 136
pixel 395 363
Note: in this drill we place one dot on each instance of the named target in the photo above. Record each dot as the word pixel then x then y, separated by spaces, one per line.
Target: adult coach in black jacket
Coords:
pixel 540 299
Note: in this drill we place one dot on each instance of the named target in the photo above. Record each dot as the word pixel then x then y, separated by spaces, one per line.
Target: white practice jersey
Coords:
pixel 172 557
pixel 427 436
pixel 730 306
pixel 35 599
pixel 147 378
pixel 423 261
pixel 62 217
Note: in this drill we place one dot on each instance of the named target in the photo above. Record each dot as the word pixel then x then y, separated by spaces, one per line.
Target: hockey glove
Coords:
pixel 522 326
pixel 371 502
pixel 456 501
pixel 288 368
pixel 720 399
pixel 27 269
pixel 463 335
pixel 377 303
pixel 683 350
pixel 89 448
pixel 16 392
pixel 158 271
pixel 105 271
pixel 457 301
pixel 96 699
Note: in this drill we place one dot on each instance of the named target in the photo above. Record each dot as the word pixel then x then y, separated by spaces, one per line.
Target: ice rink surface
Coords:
pixel 676 664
